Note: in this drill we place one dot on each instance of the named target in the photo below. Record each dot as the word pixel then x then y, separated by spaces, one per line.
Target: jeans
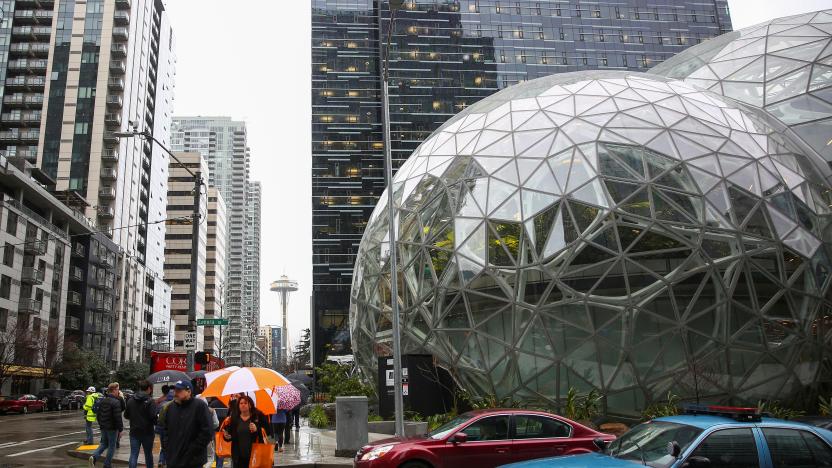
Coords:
pixel 220 461
pixel 88 427
pixel 137 443
pixel 296 416
pixel 108 443
pixel 277 430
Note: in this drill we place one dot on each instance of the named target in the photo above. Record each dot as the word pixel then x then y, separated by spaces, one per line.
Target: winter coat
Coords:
pixel 187 431
pixel 109 414
pixel 141 412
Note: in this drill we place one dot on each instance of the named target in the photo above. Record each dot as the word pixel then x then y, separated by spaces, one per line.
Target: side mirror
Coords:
pixel 674 449
pixel 600 443
pixel 458 438
pixel 696 461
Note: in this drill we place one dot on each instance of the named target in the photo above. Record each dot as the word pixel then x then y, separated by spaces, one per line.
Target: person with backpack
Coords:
pixel 142 413
pixel 108 413
pixel 89 413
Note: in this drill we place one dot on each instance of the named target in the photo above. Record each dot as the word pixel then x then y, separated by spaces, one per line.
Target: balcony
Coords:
pixel 121 33
pixel 106 212
pixel 143 194
pixel 79 251
pixel 145 179
pixel 32 32
pixel 73 298
pixel 32 275
pixel 121 17
pixel 104 305
pixel 21 118
pixel 30 306
pixel 35 246
pixel 117 66
pixel 115 101
pixel 123 3
pixel 109 173
pixel 28 65
pixel 145 162
pixel 115 83
pixel 113 118
pixel 76 274
pixel 110 155
pixel 106 260
pixel 107 193
pixel 111 138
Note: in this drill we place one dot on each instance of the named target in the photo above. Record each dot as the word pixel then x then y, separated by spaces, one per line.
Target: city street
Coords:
pixel 40 439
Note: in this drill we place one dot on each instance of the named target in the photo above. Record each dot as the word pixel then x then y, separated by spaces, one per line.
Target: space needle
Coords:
pixel 284 286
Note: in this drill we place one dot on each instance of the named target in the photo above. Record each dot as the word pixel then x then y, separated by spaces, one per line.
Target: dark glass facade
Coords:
pixel 445 56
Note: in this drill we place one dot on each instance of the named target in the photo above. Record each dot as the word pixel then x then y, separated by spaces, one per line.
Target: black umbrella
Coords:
pixel 197 374
pixel 167 376
pixel 304 391
pixel 302 378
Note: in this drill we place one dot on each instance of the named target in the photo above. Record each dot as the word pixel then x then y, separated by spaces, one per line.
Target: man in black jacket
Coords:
pixel 141 412
pixel 109 418
pixel 188 428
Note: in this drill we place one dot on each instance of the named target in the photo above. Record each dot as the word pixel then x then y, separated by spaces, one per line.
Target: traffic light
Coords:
pixel 200 357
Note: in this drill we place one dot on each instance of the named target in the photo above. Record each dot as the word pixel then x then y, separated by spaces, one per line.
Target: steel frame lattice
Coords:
pixel 616 231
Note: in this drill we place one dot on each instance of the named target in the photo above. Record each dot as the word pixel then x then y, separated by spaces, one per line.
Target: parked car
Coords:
pixel 708 436
pixel 74 400
pixel 128 394
pixel 22 404
pixel 484 438
pixel 53 397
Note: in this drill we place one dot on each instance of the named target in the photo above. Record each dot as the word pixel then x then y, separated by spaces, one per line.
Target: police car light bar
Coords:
pixel 734 412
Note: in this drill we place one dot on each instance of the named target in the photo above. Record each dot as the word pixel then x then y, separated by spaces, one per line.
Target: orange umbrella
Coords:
pixel 263 401
pixel 246 379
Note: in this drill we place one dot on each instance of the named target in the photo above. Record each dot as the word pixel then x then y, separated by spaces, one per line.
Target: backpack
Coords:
pixel 96 405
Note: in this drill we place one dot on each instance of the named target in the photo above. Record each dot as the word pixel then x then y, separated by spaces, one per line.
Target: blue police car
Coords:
pixel 708 436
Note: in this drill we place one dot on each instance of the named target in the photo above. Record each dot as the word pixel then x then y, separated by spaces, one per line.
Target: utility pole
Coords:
pixel 195 217
pixel 398 402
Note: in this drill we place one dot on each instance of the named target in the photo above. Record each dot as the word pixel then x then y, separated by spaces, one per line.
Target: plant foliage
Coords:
pixel 341 380
pixel 318 417
pixel 669 407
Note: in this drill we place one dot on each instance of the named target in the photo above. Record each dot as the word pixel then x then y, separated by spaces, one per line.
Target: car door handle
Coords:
pixel 502 449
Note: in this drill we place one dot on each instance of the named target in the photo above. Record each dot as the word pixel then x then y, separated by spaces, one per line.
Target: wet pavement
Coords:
pixel 41 439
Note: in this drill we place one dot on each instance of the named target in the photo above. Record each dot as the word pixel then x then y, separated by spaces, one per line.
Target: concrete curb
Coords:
pixel 321 464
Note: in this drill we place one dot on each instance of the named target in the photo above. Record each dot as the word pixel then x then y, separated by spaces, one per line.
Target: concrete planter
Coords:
pixel 389 427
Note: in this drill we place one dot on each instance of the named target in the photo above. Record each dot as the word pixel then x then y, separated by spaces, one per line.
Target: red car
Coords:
pixel 484 438
pixel 22 404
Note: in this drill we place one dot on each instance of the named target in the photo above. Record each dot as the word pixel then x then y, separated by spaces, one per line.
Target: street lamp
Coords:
pixel 198 183
pixel 398 403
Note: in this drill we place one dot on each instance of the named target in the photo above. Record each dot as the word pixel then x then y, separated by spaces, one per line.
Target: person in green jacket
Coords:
pixel 89 413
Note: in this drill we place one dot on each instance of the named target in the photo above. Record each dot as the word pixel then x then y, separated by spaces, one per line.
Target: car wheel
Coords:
pixel 414 464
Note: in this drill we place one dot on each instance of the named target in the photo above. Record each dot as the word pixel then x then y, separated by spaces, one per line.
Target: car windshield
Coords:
pixel 648 442
pixel 445 429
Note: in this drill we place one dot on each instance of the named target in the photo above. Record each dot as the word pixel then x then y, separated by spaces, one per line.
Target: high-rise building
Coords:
pixel 74 73
pixel 215 269
pixel 223 144
pixel 446 55
pixel 251 277
pixel 179 247
pixel 272 344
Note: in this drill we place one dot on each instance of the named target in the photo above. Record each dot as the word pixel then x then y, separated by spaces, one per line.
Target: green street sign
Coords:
pixel 211 321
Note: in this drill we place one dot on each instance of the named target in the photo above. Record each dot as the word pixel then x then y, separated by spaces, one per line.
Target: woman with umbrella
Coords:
pixel 245 428
pixel 279 427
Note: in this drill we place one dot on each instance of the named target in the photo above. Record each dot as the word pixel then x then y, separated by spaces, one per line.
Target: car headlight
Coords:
pixel 377 452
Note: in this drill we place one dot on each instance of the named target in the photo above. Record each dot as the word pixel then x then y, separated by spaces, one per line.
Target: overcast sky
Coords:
pixel 250 59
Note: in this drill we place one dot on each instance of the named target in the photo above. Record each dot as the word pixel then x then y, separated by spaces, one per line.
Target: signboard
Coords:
pixel 211 321
pixel 179 361
pixel 190 341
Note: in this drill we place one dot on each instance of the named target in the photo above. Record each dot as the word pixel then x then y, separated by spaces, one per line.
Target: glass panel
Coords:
pixel 730 448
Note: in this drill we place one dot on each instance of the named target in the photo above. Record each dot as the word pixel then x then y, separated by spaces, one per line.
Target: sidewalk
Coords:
pixel 310 448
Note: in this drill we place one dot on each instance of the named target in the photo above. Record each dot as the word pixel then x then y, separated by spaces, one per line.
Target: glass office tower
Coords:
pixel 445 56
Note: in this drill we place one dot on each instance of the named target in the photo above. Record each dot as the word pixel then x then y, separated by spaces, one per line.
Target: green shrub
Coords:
pixel 578 408
pixel 825 406
pixel 341 380
pixel 318 417
pixel 437 420
pixel 374 418
pixel 413 416
pixel 776 410
pixel 669 407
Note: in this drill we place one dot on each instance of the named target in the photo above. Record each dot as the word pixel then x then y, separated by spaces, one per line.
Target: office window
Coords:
pixel 8 255
pixel 5 287
pixel 11 223
pixel 4 318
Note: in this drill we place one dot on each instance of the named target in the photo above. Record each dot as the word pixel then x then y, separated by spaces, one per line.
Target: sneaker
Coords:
pixel 91 461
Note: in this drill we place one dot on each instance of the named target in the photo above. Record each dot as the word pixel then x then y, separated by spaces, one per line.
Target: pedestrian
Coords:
pixel 123 408
pixel 109 419
pixel 246 427
pixel 187 428
pixel 296 416
pixel 221 411
pixel 142 413
pixel 161 403
pixel 287 429
pixel 89 414
pixel 279 428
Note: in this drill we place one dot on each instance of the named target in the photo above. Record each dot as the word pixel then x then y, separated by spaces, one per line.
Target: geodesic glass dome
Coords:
pixel 606 230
